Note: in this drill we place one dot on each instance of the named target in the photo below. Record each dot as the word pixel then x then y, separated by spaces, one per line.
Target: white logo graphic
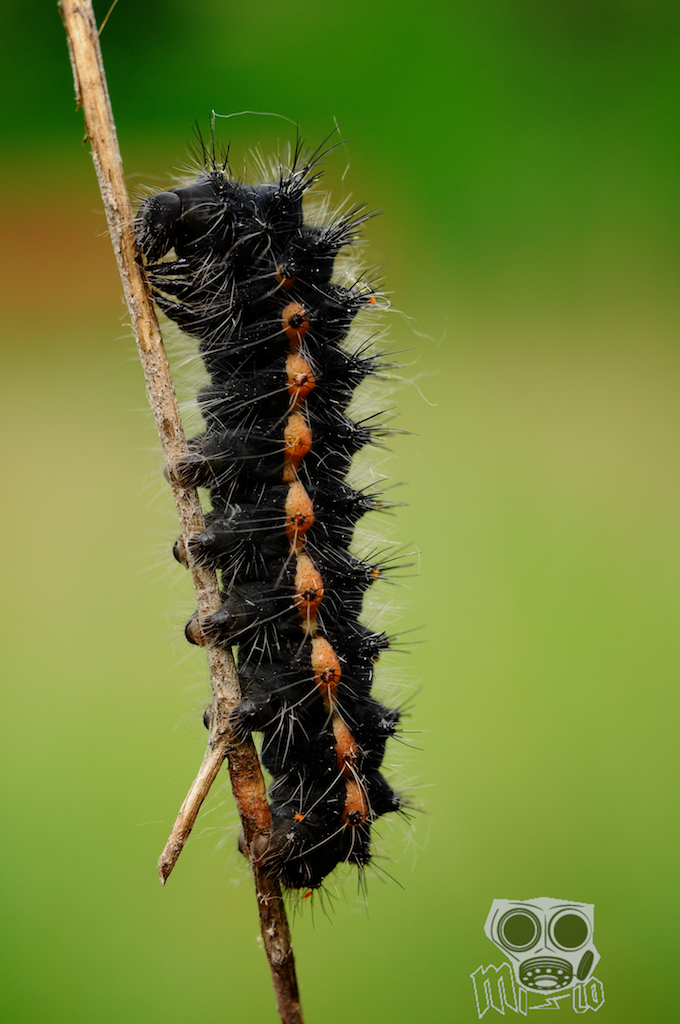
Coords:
pixel 549 944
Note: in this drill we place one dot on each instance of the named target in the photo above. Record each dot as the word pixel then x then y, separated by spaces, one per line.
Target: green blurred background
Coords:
pixel 525 155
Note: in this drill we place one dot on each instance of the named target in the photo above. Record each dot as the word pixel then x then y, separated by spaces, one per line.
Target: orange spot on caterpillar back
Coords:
pixel 297 437
pixel 346 748
pixel 308 590
pixel 327 671
pixel 300 378
pixel 299 515
pixel 294 323
pixel 283 276
pixel 356 810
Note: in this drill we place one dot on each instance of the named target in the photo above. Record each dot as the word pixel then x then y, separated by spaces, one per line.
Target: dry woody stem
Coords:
pixel 244 768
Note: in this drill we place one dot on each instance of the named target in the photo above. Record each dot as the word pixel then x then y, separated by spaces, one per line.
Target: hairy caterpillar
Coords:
pixel 237 267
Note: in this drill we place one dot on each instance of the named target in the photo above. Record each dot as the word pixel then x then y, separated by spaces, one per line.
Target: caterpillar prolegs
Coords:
pixel 239 268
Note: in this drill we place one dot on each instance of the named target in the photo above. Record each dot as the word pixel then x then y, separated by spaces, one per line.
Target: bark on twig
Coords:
pixel 244 768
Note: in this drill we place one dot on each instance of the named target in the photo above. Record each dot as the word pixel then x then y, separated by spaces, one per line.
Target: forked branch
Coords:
pixel 244 768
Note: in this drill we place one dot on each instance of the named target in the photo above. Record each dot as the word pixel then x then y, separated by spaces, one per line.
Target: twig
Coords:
pixel 244 767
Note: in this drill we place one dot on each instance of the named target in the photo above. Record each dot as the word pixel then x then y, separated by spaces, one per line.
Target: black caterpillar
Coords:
pixel 254 283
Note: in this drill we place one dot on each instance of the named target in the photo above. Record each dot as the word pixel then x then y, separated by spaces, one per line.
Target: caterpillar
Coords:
pixel 239 268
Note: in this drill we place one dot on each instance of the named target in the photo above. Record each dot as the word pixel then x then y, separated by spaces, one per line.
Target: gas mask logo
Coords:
pixel 549 942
